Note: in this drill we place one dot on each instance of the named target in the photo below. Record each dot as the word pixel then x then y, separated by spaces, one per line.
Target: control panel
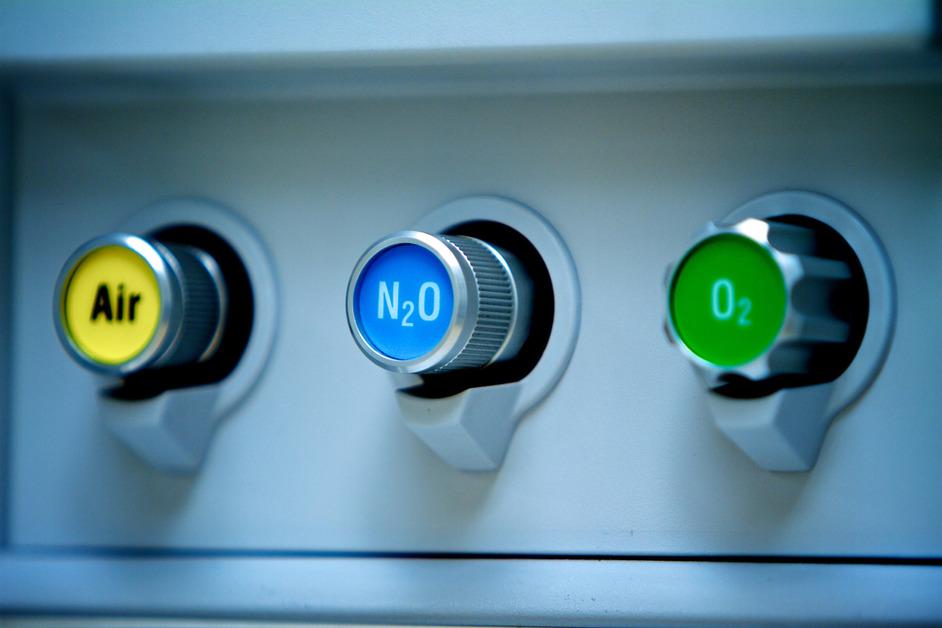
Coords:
pixel 574 336
pixel 591 377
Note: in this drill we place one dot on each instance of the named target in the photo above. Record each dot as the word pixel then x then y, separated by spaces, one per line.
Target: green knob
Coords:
pixel 753 304
pixel 728 300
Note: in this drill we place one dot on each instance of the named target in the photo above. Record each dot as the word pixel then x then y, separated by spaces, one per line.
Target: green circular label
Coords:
pixel 728 300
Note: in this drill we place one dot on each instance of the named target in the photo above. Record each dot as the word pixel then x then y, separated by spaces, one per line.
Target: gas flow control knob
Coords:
pixel 764 304
pixel 126 303
pixel 422 303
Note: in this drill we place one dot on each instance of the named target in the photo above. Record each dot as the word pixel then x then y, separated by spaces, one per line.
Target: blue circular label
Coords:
pixel 403 301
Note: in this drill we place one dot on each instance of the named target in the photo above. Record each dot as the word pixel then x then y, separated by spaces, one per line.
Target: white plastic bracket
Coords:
pixel 784 431
pixel 472 429
pixel 173 430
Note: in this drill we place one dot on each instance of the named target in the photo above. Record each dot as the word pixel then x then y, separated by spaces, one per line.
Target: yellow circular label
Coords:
pixel 111 305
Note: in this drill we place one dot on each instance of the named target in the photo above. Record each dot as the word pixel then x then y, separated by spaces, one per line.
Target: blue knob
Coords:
pixel 423 303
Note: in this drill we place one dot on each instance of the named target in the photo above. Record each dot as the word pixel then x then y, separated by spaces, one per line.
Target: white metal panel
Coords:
pixel 620 459
pixel 113 32
pixel 439 591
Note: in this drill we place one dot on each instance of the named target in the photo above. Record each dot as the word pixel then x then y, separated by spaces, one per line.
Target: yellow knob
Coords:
pixel 111 304
pixel 126 303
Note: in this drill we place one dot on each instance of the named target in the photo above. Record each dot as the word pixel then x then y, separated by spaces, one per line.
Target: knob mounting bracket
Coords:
pixel 471 430
pixel 785 431
pixel 172 430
